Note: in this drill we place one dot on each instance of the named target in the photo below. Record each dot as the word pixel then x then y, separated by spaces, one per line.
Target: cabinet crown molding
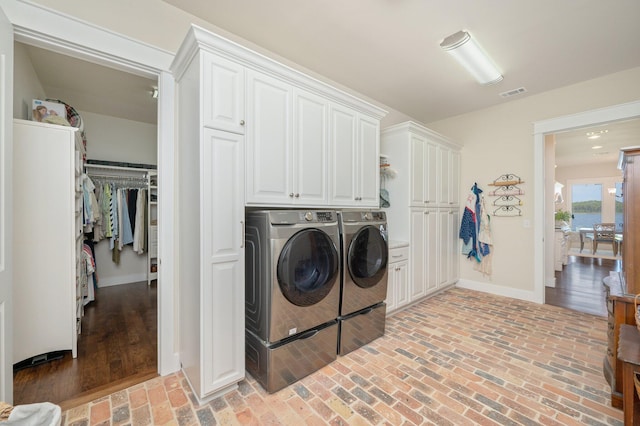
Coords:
pixel 419 129
pixel 199 39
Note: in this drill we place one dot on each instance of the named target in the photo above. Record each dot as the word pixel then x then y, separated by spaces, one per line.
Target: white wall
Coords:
pixel 115 139
pixel 26 85
pixel 499 140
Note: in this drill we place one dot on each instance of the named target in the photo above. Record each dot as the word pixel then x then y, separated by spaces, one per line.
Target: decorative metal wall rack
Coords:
pixel 507 191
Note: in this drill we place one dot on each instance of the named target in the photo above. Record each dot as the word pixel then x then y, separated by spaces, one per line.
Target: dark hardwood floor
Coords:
pixel 579 285
pixel 117 348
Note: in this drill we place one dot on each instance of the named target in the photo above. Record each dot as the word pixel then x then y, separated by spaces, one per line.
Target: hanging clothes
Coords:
pixel 119 213
pixel 475 231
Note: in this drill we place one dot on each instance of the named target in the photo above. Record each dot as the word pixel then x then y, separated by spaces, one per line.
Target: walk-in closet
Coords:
pixel 86 245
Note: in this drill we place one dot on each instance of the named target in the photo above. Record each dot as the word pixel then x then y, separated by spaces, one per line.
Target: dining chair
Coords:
pixel 605 233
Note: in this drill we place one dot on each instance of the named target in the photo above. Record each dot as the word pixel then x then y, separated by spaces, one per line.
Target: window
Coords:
pixel 594 200
pixel 586 205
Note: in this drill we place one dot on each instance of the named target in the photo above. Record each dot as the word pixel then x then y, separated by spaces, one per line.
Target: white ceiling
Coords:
pixel 574 148
pixel 389 51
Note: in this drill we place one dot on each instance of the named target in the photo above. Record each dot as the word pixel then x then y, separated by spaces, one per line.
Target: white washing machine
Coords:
pixel 365 256
pixel 292 293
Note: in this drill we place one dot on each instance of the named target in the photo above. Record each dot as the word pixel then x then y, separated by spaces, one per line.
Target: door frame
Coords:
pixel 620 112
pixel 45 28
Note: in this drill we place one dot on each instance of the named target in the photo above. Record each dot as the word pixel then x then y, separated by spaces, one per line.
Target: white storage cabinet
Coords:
pixel 210 188
pixel 47 237
pixel 425 203
pixel 398 288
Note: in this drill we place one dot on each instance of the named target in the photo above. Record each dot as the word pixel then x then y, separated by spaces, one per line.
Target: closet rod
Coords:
pixel 115 177
pixel 105 167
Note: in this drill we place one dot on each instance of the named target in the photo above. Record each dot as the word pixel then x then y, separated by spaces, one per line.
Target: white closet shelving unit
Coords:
pixel 150 177
pixel 152 228
pixel 47 211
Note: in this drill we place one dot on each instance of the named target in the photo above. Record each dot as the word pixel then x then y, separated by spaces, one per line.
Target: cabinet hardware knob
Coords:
pixel 291 195
pixel 242 122
pixel 297 195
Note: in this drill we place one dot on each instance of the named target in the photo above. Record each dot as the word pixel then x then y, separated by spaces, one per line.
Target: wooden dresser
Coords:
pixel 622 287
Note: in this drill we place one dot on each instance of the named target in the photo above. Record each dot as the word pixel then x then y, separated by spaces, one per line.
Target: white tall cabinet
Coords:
pixel 47 233
pixel 210 223
pixel 425 204
pixel 251 132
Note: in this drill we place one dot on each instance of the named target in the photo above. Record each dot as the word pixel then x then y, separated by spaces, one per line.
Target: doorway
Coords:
pixel 543 213
pixel 118 345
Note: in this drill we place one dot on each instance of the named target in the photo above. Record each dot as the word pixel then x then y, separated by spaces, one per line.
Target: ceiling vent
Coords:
pixel 513 92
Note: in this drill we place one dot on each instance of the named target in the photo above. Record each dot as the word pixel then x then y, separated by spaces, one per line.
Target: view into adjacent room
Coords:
pixel 117 342
pixel 588 192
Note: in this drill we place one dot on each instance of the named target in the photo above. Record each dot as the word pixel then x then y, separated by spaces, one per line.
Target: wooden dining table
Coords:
pixel 586 231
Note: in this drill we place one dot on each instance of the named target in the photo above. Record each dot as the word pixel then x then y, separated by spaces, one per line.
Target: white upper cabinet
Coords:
pixel 311 150
pixel 448 166
pixel 269 140
pixel 343 156
pixel 223 86
pixel 368 158
pixel 423 178
pixel 304 150
pixel 355 149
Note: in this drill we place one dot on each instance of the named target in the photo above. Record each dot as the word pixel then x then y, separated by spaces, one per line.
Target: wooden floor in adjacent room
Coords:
pixel 579 285
pixel 117 349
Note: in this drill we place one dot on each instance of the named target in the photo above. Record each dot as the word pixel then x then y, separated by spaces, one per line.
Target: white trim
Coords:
pixel 497 290
pixel 198 39
pixel 122 279
pixel 50 29
pixel 168 360
pixel 43 27
pixel 594 117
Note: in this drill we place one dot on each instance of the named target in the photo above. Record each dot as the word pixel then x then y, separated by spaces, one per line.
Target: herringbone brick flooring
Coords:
pixel 458 358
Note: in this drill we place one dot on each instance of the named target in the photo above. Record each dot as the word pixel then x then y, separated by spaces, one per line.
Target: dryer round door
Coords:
pixel 367 257
pixel 307 267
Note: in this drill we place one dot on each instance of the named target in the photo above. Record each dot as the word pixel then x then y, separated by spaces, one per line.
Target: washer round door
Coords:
pixel 307 267
pixel 367 257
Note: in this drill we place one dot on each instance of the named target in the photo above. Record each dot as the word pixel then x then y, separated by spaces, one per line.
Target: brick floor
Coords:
pixel 458 358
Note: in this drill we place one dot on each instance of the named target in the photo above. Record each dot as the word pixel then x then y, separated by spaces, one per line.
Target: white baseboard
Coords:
pixel 498 290
pixel 123 279
pixel 550 282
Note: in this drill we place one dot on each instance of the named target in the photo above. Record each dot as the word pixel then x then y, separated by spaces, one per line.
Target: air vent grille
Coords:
pixel 513 92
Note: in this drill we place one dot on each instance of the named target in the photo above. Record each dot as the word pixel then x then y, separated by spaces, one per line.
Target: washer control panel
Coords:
pixel 317 216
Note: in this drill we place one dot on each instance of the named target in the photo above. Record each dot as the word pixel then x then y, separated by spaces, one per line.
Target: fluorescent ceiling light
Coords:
pixel 471 56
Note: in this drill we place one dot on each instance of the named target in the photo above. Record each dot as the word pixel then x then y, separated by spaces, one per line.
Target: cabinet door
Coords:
pixel 222 217
pixel 417 288
pixel 431 177
pixel 342 142
pixel 391 289
pixel 310 150
pixel 454 241
pixel 368 162
pixel 401 283
pixel 443 243
pixel 269 160
pixel 454 178
pixel 223 94
pixel 432 250
pixel 418 171
pixel 443 166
